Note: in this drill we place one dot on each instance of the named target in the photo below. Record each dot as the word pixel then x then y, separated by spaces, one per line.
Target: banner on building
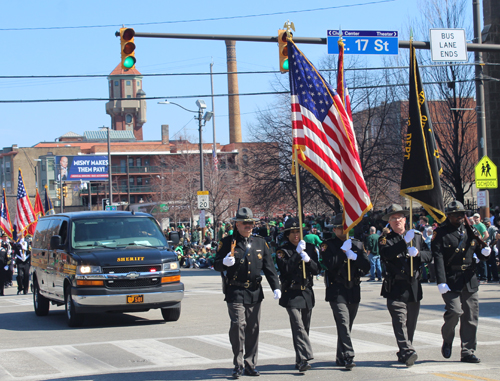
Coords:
pixel 85 168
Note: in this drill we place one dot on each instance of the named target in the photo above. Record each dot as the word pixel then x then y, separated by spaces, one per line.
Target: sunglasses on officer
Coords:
pixel 248 222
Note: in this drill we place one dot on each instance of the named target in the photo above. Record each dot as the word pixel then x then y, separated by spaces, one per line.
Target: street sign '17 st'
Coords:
pixel 364 42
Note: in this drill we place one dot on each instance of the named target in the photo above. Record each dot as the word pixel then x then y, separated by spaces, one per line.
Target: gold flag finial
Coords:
pixel 288 26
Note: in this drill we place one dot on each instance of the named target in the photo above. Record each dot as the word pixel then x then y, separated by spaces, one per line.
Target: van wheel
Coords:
pixel 40 302
pixel 72 318
pixel 171 314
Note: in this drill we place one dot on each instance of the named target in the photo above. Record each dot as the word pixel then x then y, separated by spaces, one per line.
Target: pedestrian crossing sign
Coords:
pixel 486 174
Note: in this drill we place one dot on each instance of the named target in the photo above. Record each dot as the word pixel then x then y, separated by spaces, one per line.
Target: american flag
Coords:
pixel 216 161
pixel 5 223
pixel 324 137
pixel 25 214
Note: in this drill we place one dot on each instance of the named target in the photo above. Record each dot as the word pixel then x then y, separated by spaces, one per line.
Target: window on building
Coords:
pixel 8 185
pixel 139 181
pixel 7 166
pixel 116 83
pixel 123 165
pixel 138 84
pixel 146 181
pixel 43 164
pixel 132 199
pixel 131 180
pixel 146 162
pixel 52 185
pixel 44 182
pixel 130 161
pixel 129 96
pixel 138 162
pixel 128 83
pixel 128 118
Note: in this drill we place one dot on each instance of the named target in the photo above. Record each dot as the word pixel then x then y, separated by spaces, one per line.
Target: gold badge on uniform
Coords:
pixel 434 234
pixel 324 246
pixel 473 243
pixel 220 245
pixel 259 256
pixel 382 241
pixel 280 254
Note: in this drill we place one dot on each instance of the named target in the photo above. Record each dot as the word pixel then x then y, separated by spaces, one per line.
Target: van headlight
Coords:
pixel 170 266
pixel 86 269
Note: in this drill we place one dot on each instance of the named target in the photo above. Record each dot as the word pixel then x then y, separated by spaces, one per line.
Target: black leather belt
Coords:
pixel 461 268
pixel 246 284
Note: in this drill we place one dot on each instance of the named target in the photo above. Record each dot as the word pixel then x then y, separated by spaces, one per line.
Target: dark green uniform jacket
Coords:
pixel 338 288
pixel 398 283
pixel 454 262
pixel 292 276
pixel 243 280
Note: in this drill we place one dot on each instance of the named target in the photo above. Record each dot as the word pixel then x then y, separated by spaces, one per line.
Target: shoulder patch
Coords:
pixel 434 234
pixel 267 245
pixel 280 254
pixel 220 245
pixel 382 241
pixel 324 246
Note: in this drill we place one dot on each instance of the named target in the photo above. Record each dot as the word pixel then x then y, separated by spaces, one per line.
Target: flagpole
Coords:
pixel 411 227
pixel 299 202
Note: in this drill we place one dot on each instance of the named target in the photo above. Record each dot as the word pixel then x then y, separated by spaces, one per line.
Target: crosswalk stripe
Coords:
pixel 159 353
pixel 68 359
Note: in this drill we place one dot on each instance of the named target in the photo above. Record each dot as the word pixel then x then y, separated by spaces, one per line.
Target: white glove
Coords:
pixel 412 251
pixel 228 260
pixel 301 246
pixel 306 258
pixel 486 251
pixel 347 245
pixel 443 288
pixel 351 255
pixel 476 258
pixel 410 234
pixel 277 294
pixel 6 268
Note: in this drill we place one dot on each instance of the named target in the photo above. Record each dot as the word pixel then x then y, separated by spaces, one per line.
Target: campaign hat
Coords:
pixel 292 224
pixel 244 214
pixel 455 207
pixel 394 209
pixel 338 221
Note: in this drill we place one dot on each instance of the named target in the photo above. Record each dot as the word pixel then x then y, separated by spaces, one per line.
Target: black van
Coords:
pixel 104 262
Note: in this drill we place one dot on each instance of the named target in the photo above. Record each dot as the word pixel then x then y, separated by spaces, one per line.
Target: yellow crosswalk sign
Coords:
pixel 486 174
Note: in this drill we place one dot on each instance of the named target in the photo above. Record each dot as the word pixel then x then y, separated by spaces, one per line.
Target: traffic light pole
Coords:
pixel 301 40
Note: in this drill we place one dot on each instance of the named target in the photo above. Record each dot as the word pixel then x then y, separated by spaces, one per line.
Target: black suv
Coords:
pixel 103 262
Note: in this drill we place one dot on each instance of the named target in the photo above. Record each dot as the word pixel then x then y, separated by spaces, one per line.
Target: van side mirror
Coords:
pixel 55 242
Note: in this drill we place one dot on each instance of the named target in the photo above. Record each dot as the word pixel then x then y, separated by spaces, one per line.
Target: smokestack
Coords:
pixel 164 134
pixel 233 100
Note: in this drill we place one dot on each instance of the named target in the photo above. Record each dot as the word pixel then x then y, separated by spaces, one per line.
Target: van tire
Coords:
pixel 40 302
pixel 171 314
pixel 73 318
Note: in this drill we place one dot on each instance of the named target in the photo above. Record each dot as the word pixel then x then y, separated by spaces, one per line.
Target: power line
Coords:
pixel 231 72
pixel 200 20
pixel 207 95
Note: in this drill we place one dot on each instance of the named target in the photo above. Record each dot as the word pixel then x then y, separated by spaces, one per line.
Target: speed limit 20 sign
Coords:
pixel 203 202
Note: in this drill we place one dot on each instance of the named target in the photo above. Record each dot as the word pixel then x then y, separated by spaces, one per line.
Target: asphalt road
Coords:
pixel 142 346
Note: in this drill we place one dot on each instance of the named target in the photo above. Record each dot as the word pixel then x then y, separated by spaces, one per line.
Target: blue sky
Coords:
pixel 96 50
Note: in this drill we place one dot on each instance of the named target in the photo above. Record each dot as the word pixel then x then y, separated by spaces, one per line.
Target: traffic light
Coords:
pixel 65 191
pixel 283 50
pixel 58 190
pixel 127 48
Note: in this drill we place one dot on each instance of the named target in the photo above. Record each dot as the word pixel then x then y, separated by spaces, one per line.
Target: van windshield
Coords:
pixel 116 232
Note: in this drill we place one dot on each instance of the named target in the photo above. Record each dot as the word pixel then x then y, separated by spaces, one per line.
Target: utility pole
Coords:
pixel 480 111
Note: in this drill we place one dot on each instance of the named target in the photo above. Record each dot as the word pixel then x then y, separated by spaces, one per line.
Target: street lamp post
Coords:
pixel 202 120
